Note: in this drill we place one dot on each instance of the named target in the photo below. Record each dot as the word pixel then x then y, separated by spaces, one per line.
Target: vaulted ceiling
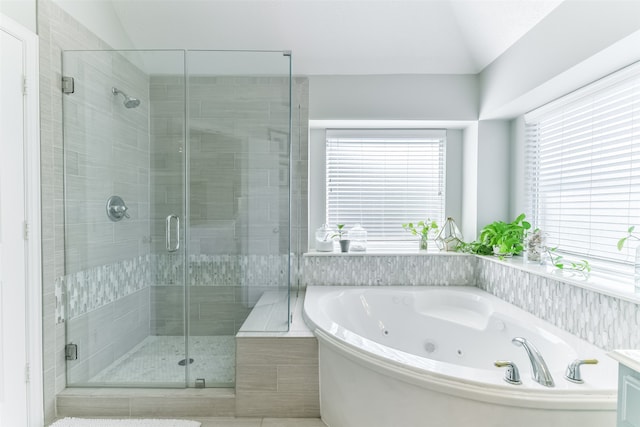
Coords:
pixel 341 37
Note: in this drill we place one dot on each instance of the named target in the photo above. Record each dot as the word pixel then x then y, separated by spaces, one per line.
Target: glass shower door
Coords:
pixel 238 186
pixel 177 212
pixel 124 203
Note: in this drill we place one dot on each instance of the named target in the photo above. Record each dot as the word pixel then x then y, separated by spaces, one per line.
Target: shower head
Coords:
pixel 129 101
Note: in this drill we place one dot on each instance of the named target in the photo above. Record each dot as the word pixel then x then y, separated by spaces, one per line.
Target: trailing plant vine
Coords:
pixel 557 261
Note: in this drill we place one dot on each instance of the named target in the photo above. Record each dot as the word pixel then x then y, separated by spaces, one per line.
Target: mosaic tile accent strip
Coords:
pixel 604 321
pixel 96 287
pixel 384 270
pixel 222 270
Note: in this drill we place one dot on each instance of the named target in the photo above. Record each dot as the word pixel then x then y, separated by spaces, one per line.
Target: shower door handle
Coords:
pixel 172 247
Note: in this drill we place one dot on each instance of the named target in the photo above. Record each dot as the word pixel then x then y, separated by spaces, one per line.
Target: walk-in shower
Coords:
pixel 177 212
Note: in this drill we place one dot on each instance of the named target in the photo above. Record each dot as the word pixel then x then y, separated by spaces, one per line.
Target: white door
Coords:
pixel 14 250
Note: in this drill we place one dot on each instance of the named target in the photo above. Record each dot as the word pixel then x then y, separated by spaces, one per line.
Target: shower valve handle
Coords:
pixel 116 209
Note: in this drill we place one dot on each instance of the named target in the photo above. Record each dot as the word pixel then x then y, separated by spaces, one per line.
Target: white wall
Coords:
pixel 517 201
pixel 468 224
pixel 393 97
pixel 485 176
pixel 578 42
pixel 493 171
pixel 21 11
pixel 317 182
pixel 453 201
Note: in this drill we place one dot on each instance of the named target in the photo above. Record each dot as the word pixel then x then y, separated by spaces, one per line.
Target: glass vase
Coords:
pixel 423 243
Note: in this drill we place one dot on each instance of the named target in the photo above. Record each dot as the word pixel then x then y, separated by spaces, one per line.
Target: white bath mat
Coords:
pixel 86 422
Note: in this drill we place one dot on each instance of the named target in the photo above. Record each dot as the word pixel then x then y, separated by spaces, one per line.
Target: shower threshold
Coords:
pixel 160 360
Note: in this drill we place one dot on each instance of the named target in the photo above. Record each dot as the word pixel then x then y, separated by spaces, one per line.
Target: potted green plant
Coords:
pixel 342 235
pixel 506 238
pixel 421 229
pixel 499 238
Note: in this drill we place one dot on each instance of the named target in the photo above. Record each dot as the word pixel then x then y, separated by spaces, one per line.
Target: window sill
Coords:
pixel 386 252
pixel 617 286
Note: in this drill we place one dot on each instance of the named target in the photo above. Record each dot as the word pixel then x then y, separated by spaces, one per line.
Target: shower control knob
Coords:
pixel 116 209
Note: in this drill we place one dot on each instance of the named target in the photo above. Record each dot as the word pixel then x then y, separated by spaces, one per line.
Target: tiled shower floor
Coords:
pixel 155 361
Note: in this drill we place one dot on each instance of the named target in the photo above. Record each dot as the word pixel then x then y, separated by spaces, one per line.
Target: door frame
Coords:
pixel 33 267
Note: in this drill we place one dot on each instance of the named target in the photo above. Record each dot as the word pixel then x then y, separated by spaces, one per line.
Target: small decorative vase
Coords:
pixel 344 245
pixel 496 252
pixel 324 242
pixel 636 271
pixel 423 243
pixel 534 247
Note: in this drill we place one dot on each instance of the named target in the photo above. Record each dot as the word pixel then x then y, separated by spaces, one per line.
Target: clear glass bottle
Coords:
pixel 324 238
pixel 358 237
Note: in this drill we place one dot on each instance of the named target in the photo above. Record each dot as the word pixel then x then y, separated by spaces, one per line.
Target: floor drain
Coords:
pixel 184 362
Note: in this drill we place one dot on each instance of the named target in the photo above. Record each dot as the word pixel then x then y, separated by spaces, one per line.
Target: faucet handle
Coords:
pixel 512 375
pixel 573 370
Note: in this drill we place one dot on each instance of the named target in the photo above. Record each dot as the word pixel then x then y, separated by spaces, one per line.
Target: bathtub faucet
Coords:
pixel 539 370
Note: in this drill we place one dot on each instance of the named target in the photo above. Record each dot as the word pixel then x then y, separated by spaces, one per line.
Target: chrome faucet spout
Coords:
pixel 539 370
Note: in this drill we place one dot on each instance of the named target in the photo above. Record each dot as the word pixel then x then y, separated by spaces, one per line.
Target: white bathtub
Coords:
pixel 423 356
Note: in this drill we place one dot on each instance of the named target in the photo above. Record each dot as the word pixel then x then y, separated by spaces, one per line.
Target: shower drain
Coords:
pixel 184 362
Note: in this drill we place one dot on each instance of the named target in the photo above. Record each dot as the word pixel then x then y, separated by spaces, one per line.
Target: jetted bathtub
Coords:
pixel 424 356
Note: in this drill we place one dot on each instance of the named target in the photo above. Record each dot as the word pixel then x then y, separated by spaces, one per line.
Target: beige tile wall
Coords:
pixel 277 377
pixel 239 192
pixel 56 31
pixel 107 153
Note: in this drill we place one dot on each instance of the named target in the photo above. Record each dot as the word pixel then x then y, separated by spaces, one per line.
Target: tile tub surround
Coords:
pixel 441 269
pixel 604 321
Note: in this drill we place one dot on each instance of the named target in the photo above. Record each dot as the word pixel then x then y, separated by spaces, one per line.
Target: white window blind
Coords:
pixel 384 178
pixel 583 167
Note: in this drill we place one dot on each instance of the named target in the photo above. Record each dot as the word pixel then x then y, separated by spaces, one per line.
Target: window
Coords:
pixel 583 167
pixel 384 178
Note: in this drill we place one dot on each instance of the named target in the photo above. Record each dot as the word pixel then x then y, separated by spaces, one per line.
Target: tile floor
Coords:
pixel 257 422
pixel 264 422
pixel 156 358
